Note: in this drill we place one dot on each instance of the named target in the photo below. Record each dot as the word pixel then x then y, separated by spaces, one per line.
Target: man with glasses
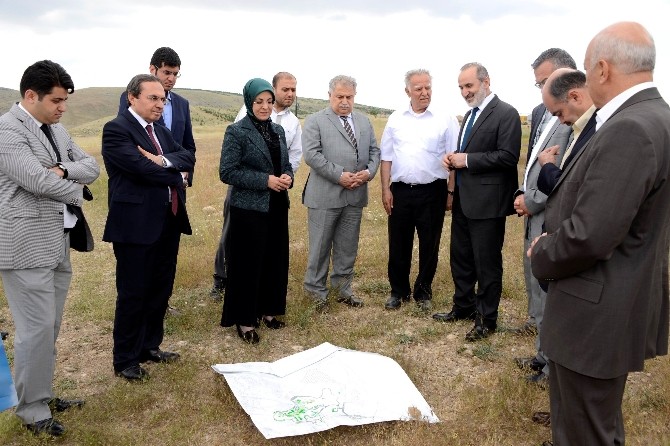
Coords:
pixel 546 132
pixel 147 215
pixel 165 64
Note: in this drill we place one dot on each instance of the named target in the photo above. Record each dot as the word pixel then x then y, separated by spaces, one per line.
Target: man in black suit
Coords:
pixel 565 95
pixel 147 214
pixel 482 191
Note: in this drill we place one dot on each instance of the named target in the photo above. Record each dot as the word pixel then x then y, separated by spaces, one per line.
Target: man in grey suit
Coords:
pixel 547 131
pixel 606 247
pixel 42 176
pixel 340 147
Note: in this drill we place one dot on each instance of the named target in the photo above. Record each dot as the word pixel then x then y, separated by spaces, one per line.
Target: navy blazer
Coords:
pixel 487 185
pixel 138 197
pixel 182 131
pixel 550 172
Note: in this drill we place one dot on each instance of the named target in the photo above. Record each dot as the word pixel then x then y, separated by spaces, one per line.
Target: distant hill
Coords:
pixel 90 108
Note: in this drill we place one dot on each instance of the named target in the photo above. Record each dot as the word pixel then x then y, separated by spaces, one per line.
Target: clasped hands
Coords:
pixel 352 180
pixel 279 183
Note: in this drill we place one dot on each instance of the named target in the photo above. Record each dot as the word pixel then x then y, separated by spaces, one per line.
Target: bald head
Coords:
pixel 565 95
pixel 619 57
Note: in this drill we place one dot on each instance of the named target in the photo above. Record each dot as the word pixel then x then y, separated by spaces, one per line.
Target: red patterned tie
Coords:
pixel 173 190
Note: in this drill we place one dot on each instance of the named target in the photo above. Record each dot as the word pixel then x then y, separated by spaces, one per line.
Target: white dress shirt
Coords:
pixel 415 143
pixel 613 105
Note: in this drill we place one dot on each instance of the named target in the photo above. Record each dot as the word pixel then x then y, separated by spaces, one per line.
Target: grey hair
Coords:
pixel 558 57
pixel 482 72
pixel 341 79
pixel 135 85
pixel 418 71
pixel 564 82
pixel 627 55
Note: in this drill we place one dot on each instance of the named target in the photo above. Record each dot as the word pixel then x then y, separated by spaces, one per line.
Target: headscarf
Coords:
pixel 252 89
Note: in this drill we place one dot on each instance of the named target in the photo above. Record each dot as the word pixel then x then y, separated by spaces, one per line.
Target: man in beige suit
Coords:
pixel 42 178
pixel 606 247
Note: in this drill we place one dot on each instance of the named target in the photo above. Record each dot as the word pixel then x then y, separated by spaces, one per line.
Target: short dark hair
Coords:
pixel 165 56
pixel 559 57
pixel 281 75
pixel 564 82
pixel 135 85
pixel 41 77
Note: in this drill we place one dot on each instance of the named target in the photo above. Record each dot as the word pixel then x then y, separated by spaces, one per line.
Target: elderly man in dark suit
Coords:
pixel 606 247
pixel 340 147
pixel 483 189
pixel 42 173
pixel 147 214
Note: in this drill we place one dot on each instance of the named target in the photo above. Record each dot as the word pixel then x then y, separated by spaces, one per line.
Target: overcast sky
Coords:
pixel 223 43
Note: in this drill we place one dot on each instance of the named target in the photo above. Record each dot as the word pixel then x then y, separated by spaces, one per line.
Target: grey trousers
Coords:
pixel 36 298
pixel 332 230
pixel 585 411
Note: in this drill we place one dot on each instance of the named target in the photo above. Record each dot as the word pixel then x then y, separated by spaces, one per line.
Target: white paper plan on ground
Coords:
pixel 324 387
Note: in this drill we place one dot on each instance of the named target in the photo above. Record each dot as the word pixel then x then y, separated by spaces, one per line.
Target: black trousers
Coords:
pixel 421 208
pixel 144 281
pixel 476 259
pixel 258 264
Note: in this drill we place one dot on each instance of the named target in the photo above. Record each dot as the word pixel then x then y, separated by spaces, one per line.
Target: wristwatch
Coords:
pixel 61 167
pixel 164 161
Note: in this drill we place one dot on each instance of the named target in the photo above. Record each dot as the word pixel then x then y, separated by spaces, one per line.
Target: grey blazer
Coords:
pixel 606 252
pixel 32 196
pixel 246 164
pixel 535 200
pixel 328 152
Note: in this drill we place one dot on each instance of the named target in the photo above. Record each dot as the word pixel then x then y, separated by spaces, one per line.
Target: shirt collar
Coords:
pixel 580 123
pixel 617 101
pixel 141 120
pixel 411 111
pixel 485 102
pixel 39 124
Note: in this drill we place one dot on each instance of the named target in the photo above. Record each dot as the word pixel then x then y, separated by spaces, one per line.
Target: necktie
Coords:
pixel 350 131
pixel 468 128
pixel 173 190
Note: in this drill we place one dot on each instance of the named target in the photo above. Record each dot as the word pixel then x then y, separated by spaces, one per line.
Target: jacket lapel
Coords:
pixel 256 138
pixel 337 122
pixel 480 120
pixel 30 125
pixel 140 132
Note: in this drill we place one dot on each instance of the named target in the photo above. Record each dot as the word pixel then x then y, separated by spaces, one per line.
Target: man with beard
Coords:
pixel 482 189
pixel 284 86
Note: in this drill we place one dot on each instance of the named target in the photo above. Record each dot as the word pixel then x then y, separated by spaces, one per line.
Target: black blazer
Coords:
pixel 138 188
pixel 487 185
pixel 182 131
pixel 550 173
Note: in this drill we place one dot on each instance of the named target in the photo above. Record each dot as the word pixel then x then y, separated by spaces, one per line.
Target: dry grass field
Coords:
pixel 475 389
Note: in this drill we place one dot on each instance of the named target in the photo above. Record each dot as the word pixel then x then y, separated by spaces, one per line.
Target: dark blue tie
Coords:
pixel 468 128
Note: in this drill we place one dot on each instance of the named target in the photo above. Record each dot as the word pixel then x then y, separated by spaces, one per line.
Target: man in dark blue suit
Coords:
pixel 165 64
pixel 147 215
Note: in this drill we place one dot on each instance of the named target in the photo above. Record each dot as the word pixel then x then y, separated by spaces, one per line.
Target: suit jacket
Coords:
pixel 535 199
pixel 328 152
pixel 31 196
pixel 535 119
pixel 487 185
pixel 608 221
pixel 549 174
pixel 246 164
pixel 138 188
pixel 182 131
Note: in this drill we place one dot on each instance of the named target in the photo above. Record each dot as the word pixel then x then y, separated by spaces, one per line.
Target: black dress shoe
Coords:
pixel 454 316
pixel 133 373
pixel 61 405
pixel 529 363
pixel 49 426
pixel 478 333
pixel 274 323
pixel 250 337
pixel 540 378
pixel 351 300
pixel 393 303
pixel 159 355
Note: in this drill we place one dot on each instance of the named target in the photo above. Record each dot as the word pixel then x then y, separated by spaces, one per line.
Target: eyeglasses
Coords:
pixel 541 83
pixel 154 98
pixel 168 73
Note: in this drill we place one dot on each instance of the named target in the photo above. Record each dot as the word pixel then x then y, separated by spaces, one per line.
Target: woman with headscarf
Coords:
pixel 254 162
